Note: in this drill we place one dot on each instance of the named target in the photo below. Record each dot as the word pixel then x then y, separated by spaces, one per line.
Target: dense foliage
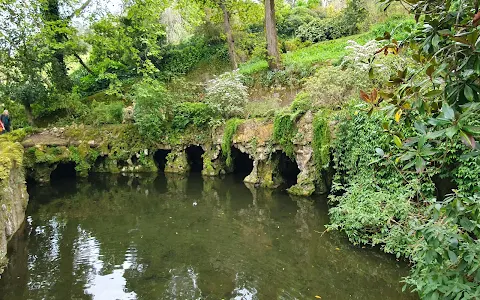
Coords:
pixel 421 130
pixel 406 157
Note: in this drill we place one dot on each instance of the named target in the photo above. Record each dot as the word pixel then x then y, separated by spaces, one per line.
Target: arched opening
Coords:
pixel 195 159
pixel 160 158
pixel 63 171
pixel 287 168
pixel 242 163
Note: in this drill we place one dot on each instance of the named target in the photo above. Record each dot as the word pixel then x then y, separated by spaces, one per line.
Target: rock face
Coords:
pixel 13 194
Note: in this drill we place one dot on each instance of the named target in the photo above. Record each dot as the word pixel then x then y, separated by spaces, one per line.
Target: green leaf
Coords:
pixel 453 257
pixel 397 141
pixel 451 131
pixel 420 127
pixel 433 94
pixel 420 164
pixel 380 152
pixel 469 94
pixel 468 139
pixel 407 156
pixel 475 130
pixel 435 134
pixel 448 112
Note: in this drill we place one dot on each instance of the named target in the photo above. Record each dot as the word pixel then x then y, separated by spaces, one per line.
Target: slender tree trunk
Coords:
pixel 29 113
pixel 272 40
pixel 80 60
pixel 60 77
pixel 228 32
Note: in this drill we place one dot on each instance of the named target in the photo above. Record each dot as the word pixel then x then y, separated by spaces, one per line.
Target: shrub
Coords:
pixel 197 114
pixel 103 113
pixel 227 95
pixel 296 18
pixel 333 87
pixel 332 28
pixel 152 108
pixel 319 30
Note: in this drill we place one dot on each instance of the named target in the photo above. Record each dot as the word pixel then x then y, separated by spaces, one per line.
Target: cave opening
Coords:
pixel 160 158
pixel 63 171
pixel 242 163
pixel 99 162
pixel 195 158
pixel 287 168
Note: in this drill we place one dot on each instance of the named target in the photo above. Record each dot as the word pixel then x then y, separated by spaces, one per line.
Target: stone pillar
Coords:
pixel 308 177
pixel 265 173
pixel 177 162
pixel 213 162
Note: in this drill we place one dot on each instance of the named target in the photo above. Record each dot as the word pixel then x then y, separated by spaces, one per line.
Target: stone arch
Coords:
pixel 242 162
pixel 195 157
pixel 160 158
pixel 63 170
pixel 287 169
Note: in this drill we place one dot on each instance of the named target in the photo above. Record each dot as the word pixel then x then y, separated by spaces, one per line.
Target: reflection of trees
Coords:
pixel 233 241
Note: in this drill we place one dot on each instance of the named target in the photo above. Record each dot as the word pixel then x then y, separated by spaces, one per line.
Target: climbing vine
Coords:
pixel 321 139
pixel 231 127
pixel 285 130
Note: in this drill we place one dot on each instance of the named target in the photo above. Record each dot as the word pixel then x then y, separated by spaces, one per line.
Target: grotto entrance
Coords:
pixel 195 159
pixel 160 158
pixel 63 171
pixel 242 163
pixel 287 169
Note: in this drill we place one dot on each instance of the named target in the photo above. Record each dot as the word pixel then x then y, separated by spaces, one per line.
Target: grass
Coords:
pixel 329 51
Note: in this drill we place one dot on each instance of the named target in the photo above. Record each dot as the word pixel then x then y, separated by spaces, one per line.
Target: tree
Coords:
pixel 274 61
pixel 229 34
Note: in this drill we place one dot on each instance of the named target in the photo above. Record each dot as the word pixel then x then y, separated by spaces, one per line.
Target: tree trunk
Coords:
pixel 228 32
pixel 29 113
pixel 272 40
pixel 60 77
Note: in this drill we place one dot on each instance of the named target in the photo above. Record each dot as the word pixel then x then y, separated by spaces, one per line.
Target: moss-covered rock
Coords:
pixel 177 162
pixel 13 193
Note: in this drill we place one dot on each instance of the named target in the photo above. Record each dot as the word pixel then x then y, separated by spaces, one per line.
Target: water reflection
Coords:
pixel 175 237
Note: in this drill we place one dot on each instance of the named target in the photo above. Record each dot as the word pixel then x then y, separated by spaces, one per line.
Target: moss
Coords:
pixel 11 154
pixel 177 163
pixel 304 189
pixel 230 129
pixel 285 131
pixel 321 139
pixel 17 135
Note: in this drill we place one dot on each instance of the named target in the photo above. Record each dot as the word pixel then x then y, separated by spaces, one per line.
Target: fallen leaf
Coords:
pixel 318 297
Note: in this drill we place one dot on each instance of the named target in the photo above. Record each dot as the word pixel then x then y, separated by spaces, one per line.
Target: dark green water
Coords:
pixel 114 237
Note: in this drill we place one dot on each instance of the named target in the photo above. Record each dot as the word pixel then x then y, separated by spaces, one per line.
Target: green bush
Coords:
pixel 296 18
pixel 188 113
pixel 227 95
pixel 333 28
pixel 103 113
pixel 333 87
pixel 152 108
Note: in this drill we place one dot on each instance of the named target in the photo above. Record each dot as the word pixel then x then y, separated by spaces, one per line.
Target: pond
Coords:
pixel 173 237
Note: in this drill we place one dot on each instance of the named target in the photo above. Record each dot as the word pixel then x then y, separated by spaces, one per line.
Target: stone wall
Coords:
pixel 120 149
pixel 13 194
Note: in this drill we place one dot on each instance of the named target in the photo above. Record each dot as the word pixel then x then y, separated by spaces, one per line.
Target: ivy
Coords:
pixel 321 139
pixel 285 130
pixel 231 127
